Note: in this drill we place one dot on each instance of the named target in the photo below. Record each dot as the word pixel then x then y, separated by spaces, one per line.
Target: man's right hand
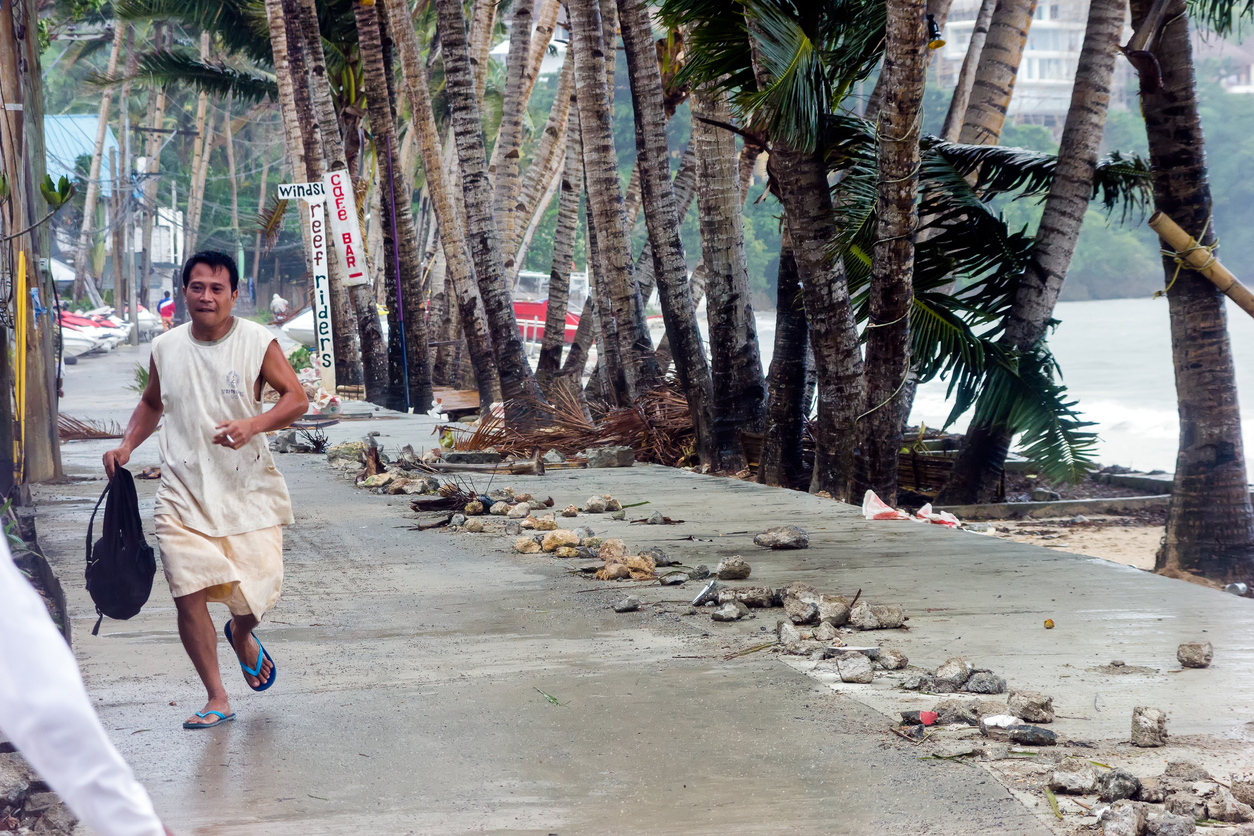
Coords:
pixel 115 459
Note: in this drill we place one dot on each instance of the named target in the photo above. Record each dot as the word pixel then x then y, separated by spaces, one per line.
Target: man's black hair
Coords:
pixel 214 261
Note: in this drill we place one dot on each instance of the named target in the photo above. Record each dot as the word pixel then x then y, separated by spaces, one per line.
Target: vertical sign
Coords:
pixel 345 230
pixel 322 296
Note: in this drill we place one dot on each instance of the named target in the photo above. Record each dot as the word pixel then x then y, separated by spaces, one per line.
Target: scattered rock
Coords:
pixel 888 658
pixel 613 549
pixel 1185 804
pixel 614 572
pixel 673 579
pixel 472 457
pixel 553 457
pixel 1045 495
pixel 584 533
pixel 1222 806
pixel 526 545
pixel 499 509
pixel 1031 735
pixel 431 456
pixel 834 610
pixel 656 518
pixel 629 604
pixel 536 504
pixel 595 505
pixel 559 538
pixel 350 453
pixel 570 511
pixel 854 667
pixel 953 674
pixel 957 711
pixel 520 511
pixel 700 572
pixel 457 520
pixel 734 568
pixel 866 616
pixel 824 632
pixel 378 480
pixel 1149 727
pixel 610 457
pixel 1031 706
pixel 784 537
pixel 14 779
pixel 660 557
pixel 800 612
pixel 619 515
pixel 566 551
pixel 1186 771
pixel 1124 818
pixel 1195 654
pixel 787 633
pixel 919 682
pixel 1168 824
pixel 1115 784
pixel 755 597
pixel 473 508
pixel 985 682
pixel 1152 790
pixel 528 524
pixel 513 527
pixel 1243 786
pixel 731 611
pixel 1074 776
pixel 474 525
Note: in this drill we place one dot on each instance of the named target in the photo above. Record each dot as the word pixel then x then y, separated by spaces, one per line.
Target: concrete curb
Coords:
pixel 1063 508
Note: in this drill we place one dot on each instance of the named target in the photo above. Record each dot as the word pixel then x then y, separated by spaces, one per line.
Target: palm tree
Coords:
pixel 663 218
pixel 517 381
pixel 780 464
pixel 1210 525
pixel 563 249
pixel 957 112
pixel 995 75
pixel 468 303
pixel 509 137
pixel 735 366
pixel 630 363
pixel 547 157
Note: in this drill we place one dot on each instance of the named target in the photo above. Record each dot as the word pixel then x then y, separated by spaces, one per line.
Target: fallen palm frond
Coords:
pixel 74 429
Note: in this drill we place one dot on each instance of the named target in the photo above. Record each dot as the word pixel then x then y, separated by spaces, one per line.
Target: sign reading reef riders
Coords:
pixel 345 230
pixel 313 196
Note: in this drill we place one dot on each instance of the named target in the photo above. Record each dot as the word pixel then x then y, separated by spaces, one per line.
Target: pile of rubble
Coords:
pixel 26 803
pixel 373 469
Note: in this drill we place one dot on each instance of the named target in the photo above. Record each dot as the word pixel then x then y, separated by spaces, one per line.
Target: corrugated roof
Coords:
pixel 66 138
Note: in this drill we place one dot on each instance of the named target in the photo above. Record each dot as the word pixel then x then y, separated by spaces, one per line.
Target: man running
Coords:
pixel 222 503
pixel 165 310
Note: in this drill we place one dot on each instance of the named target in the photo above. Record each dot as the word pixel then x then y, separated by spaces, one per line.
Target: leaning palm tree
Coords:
pixel 1210 525
pixel 994 79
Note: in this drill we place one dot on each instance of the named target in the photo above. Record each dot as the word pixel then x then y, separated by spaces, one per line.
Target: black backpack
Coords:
pixel 121 565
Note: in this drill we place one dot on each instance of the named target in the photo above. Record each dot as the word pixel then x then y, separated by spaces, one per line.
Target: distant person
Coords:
pixel 46 713
pixel 278 305
pixel 165 309
pixel 222 504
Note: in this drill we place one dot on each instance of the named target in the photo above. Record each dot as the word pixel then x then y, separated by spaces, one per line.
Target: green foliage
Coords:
pixel 163 68
pixel 300 358
pixel 56 194
pixel 139 373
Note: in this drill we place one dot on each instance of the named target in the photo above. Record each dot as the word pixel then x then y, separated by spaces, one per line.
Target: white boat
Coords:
pixel 74 342
pixel 301 328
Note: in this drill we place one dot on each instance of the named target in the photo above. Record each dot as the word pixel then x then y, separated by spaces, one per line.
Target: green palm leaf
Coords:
pixel 163 68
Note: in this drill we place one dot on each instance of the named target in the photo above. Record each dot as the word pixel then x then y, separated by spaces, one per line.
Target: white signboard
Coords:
pixel 302 191
pixel 322 296
pixel 345 231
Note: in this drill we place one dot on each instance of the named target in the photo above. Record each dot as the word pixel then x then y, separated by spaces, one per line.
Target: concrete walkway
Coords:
pixel 407 700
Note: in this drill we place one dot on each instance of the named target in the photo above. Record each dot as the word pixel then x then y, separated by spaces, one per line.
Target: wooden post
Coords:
pixel 1202 260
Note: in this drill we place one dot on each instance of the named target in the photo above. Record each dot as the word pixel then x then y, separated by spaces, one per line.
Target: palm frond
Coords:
pixel 164 68
pixel 1223 17
pixel 233 21
pixel 270 223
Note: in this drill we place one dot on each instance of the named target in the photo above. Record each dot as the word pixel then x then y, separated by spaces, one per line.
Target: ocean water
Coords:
pixel 1115 356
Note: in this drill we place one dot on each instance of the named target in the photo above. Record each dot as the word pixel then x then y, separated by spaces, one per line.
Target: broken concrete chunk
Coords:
pixel 800 589
pixel 614 572
pixel 14 779
pixel 1031 735
pixel 609 456
pixel 352 451
pixel 854 667
pixel 1168 824
pixel 566 551
pixel 570 511
pixel 834 610
pixel 1074 776
pixel 985 682
pixel 731 611
pixel 824 632
pixel 612 504
pixel 1152 790
pixel 784 537
pixel 734 568
pixel 513 527
pixel 528 524
pixel 1116 784
pixel 457 520
pixel 957 711
pixel 953 673
pixel 474 525
pixel 1186 771
pixel 787 633
pixel 801 612
pixel 1031 706
pixel 544 524
pixel 526 545
pixel 1149 727
pixel 1195 654
pixel 536 504
pixel 866 616
pixel 584 533
pixel 520 511
pixel 499 509
pixel 555 540
pixel 1124 818
pixel 755 597
pixel 473 508
pixel 660 557
pixel 1185 804
pixel 1243 786
pixel 888 658
pixel 919 682
pixel 673 579
pixel 595 505
pixel 378 480
pixel 656 518
pixel 629 604
pixel 1222 806
pixel 699 573
pixel 613 549
pixel 553 457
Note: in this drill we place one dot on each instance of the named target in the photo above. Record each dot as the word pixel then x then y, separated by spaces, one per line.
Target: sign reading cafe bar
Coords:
pixel 345 231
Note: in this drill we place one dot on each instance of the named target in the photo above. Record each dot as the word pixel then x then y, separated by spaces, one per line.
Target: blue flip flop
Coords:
pixel 222 718
pixel 261 658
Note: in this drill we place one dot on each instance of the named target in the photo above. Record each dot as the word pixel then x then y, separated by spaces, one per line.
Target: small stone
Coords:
pixel 473 508
pixel 1149 727
pixel 1222 806
pixel 801 612
pixel 1185 804
pixel 854 667
pixel 866 616
pixel 526 545
pixel 1031 706
pixel 673 579
pixel 700 573
pixel 612 504
pixel 731 611
pixel 1186 771
pixel 985 682
pixel 784 537
pixel 953 674
pixel 1031 735
pixel 1243 786
pixel 656 518
pixel 1074 776
pixel 474 525
pixel 756 597
pixel 570 511
pixel 949 712
pixel 14 779
pixel 1169 824
pixel 584 533
pixel 629 604
pixel 890 659
pixel 614 572
pixel 660 557
pixel 522 497
pixel 559 538
pixel 824 632
pixel 1124 818
pixel 566 551
pixel 536 504
pixel 594 505
pixel 1152 790
pixel 520 511
pixel 919 682
pixel 618 515
pixel 543 524
pixel 56 820
pixel 457 520
pixel 1115 784
pixel 613 549
pixel 610 457
pixel 1195 654
pixel 734 568
pixel 379 480
pixel 513 527
pixel 1045 495
pixel 553 457
pixel 499 509
pixel 787 633
pixel 528 524
pixel 834 610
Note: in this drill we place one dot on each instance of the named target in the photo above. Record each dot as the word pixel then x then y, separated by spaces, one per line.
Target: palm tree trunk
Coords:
pixel 229 143
pixel 261 207
pixel 1210 525
pixel 957 112
pixel 995 75
pixel 517 381
pixel 152 152
pixel 685 188
pixel 552 141
pixel 563 253
pixel 481 44
pixel 82 255
pixel 981 460
pixel 625 317
pixel 196 195
pixel 399 245
pixel 891 292
pixel 457 258
pixel 504 170
pixel 735 366
pixel 554 178
pixel 780 465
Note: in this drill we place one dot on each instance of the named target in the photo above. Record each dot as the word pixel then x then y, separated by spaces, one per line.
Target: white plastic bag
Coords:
pixel 873 508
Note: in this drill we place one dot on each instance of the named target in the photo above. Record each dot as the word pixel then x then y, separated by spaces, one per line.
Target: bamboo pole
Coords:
pixel 1202 260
